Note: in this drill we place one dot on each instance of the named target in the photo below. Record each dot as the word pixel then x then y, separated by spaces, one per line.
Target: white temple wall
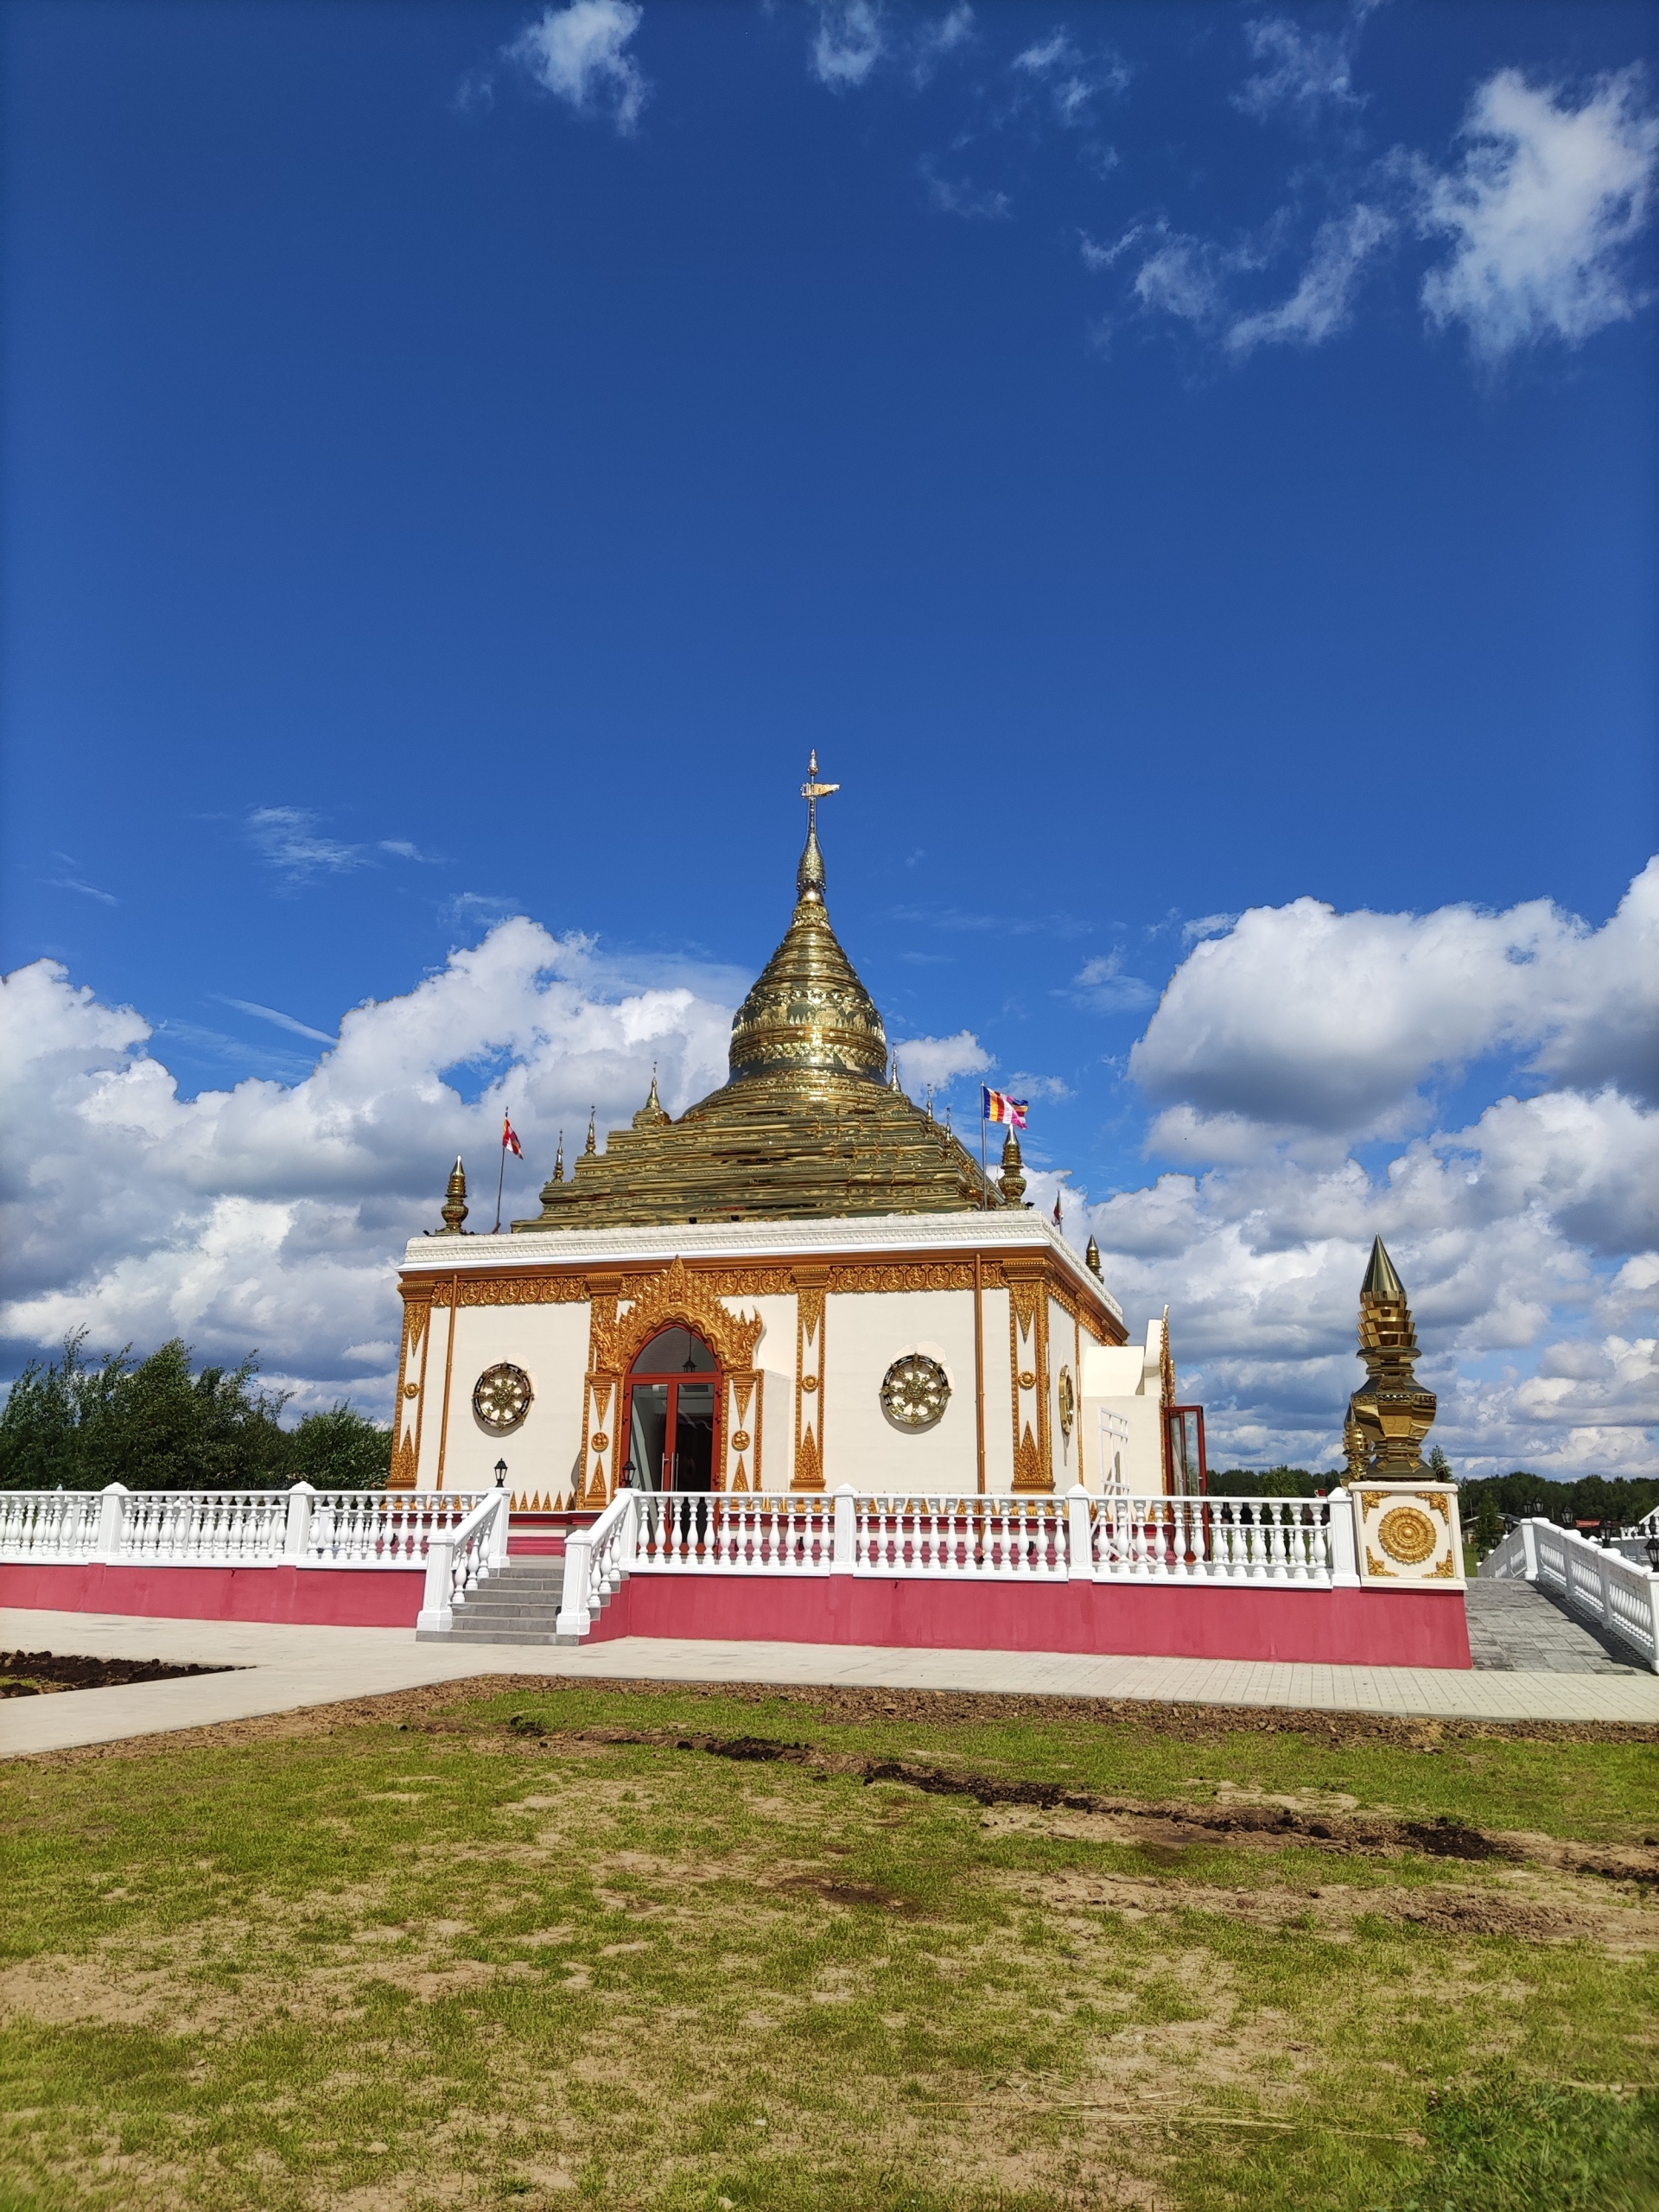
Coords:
pixel 864 1333
pixel 550 1344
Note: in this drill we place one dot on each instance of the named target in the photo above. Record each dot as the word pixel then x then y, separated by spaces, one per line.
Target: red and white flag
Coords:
pixel 510 1139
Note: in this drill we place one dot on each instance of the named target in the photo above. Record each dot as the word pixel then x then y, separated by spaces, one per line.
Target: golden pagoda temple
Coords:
pixel 812 1120
pixel 801 1281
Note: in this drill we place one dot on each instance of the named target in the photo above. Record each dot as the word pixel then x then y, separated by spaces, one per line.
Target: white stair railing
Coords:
pixel 459 1558
pixel 596 1561
pixel 1590 1579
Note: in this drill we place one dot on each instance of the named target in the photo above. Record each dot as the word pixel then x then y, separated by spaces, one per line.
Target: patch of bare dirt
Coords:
pixel 1334 1908
pixel 38 1674
pixel 432 1710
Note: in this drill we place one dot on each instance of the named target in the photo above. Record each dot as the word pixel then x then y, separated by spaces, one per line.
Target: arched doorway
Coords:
pixel 673 1412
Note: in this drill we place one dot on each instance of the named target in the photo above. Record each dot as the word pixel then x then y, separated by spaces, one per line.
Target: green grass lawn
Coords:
pixel 482 1958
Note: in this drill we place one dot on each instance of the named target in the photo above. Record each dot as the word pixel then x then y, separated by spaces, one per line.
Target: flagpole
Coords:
pixel 984 1171
pixel 500 1179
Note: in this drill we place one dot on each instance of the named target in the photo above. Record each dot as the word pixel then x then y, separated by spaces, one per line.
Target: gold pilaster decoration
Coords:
pixel 1390 1414
pixel 1028 1372
pixel 411 1401
pixel 454 1202
pixel 1013 1178
pixel 810 1285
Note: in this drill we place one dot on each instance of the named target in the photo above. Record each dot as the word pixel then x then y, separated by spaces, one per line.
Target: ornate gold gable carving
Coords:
pixel 676 1295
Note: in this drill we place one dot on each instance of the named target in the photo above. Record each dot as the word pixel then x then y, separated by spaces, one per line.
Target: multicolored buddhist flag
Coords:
pixel 997 1106
pixel 509 1140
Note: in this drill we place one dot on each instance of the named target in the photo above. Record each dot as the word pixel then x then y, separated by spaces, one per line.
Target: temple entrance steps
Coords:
pixel 518 1603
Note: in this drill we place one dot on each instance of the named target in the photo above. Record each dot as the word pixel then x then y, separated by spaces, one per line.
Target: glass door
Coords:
pixel 673 1409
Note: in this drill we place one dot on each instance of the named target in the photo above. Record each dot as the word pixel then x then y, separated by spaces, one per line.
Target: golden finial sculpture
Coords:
pixel 1013 1178
pixel 1091 1259
pixel 1390 1414
pixel 653 1115
pixel 592 1146
pixel 454 1202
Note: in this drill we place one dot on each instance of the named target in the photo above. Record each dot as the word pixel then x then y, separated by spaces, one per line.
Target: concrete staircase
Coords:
pixel 517 1605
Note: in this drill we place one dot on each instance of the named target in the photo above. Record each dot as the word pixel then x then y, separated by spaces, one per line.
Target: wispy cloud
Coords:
pixel 850 38
pixel 578 55
pixel 1053 1088
pixel 282 1021
pixel 402 850
pixel 1323 299
pixel 1546 200
pixel 1207 926
pixel 1101 984
pixel 1304 71
pixel 288 837
pixel 1070 79
pixel 956 196
pixel 86 890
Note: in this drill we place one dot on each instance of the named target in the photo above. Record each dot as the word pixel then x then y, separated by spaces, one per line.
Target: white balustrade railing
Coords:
pixel 963 1539
pixel 1285 1540
pixel 460 1557
pixel 597 1560
pixel 1591 1578
pixel 301 1527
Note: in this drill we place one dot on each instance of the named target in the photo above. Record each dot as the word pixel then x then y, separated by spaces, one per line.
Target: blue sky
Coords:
pixel 460 458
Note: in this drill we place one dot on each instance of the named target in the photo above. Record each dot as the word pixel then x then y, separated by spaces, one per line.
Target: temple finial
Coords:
pixel 558 1160
pixel 809 876
pixel 592 1144
pixel 653 1115
pixel 454 1202
pixel 1390 1414
pixel 1380 1281
pixel 1013 1178
pixel 1091 1259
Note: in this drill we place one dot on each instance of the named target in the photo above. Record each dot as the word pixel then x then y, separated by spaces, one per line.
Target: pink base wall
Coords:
pixel 331 1597
pixel 1364 1628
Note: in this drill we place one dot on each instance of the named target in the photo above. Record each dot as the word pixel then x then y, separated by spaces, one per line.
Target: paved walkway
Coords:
pixel 1516 1629
pixel 280 1669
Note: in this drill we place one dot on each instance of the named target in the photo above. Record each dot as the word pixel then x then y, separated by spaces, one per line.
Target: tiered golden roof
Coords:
pixel 807 1122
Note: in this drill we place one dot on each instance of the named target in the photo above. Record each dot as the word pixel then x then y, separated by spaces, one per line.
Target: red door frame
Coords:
pixel 674 1378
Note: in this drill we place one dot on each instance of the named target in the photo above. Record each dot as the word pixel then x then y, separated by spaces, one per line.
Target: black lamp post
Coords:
pixel 501 1474
pixel 1653 1554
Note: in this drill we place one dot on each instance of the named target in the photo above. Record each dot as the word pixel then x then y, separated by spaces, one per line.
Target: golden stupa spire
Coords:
pixel 809 1022
pixel 1389 1414
pixel 454 1202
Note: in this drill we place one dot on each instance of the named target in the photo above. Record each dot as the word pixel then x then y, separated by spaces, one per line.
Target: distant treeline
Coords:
pixel 153 1424
pixel 1489 1500
pixel 1486 1501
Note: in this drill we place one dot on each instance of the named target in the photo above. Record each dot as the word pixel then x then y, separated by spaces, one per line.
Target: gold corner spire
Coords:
pixel 1013 1178
pixel 454 1202
pixel 653 1115
pixel 592 1144
pixel 1390 1414
pixel 1091 1259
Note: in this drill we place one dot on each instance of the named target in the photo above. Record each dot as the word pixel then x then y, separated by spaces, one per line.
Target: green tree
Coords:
pixel 154 1424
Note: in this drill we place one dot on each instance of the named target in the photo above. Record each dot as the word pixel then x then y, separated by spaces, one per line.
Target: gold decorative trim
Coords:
pixel 1028 1326
pixel 1407 1534
pixel 811 1284
pixel 1375 1566
pixel 514 1290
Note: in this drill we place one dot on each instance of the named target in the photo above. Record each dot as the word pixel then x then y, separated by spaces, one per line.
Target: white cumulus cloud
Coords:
pixel 938 1061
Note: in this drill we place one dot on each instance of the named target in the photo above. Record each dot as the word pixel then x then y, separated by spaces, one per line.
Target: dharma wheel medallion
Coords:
pixel 501 1398
pixel 1406 1534
pixel 915 1392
